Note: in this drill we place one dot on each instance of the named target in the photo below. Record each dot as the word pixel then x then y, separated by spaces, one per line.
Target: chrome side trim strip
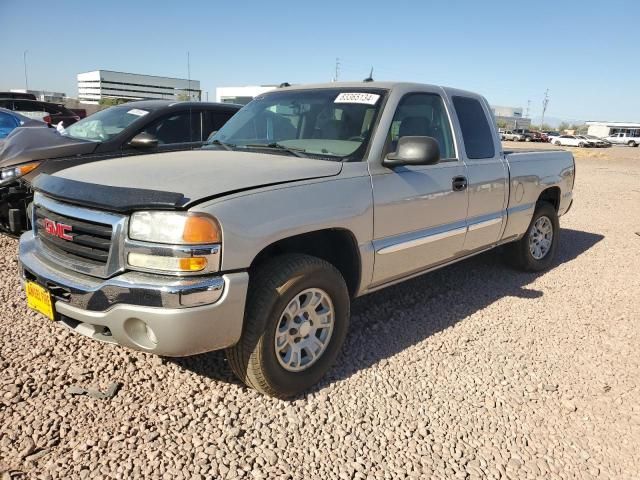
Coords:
pixel 485 223
pixel 416 242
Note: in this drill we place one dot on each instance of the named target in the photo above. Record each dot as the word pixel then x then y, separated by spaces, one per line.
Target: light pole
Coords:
pixel 26 80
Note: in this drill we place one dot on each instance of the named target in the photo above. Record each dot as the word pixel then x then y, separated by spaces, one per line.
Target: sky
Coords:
pixel 584 52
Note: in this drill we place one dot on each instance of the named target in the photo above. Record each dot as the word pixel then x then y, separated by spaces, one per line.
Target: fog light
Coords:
pixel 167 264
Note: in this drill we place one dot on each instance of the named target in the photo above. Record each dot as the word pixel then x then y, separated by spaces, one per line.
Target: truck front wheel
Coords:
pixel 536 250
pixel 295 323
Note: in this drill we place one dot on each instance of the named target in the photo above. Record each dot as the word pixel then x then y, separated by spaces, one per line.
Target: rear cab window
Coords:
pixel 476 131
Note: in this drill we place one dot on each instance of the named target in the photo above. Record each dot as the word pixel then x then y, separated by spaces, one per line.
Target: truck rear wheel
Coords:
pixel 536 250
pixel 295 323
pixel 632 144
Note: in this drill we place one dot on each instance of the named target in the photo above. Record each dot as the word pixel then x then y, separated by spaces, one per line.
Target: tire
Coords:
pixel 527 139
pixel 632 144
pixel 519 253
pixel 557 142
pixel 581 145
pixel 273 288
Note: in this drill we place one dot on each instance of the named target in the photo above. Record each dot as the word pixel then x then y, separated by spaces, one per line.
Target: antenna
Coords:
pixel 545 102
pixel 337 70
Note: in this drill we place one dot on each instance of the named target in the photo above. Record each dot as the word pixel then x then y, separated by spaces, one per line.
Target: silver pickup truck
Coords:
pixel 308 197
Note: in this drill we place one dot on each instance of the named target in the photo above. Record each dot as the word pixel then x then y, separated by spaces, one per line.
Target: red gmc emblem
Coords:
pixel 58 229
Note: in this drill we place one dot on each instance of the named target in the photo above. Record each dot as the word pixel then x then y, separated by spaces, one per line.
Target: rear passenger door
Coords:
pixel 486 171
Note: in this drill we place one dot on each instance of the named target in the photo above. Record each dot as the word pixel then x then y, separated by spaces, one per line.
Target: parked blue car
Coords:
pixel 10 120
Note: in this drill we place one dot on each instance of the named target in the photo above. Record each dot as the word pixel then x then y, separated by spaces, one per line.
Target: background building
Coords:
pixel 44 95
pixel 510 118
pixel 241 95
pixel 604 129
pixel 101 84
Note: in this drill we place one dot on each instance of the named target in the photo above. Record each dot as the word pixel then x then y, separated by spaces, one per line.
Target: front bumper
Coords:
pixel 159 314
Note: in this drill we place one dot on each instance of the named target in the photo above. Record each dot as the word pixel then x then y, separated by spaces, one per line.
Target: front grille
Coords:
pixel 90 241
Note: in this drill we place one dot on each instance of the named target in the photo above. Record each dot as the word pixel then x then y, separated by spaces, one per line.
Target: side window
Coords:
pixel 424 115
pixel 214 120
pixel 180 127
pixel 476 132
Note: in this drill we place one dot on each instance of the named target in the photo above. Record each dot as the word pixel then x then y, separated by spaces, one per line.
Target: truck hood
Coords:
pixel 196 174
pixel 26 144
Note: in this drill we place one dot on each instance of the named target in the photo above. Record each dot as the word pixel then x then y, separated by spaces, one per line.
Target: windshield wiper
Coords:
pixel 226 146
pixel 298 152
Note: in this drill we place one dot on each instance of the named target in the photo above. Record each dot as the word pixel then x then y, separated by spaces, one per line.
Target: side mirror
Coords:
pixel 144 140
pixel 211 135
pixel 414 151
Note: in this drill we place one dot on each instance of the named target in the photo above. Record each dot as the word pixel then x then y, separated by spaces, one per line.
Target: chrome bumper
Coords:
pixel 153 313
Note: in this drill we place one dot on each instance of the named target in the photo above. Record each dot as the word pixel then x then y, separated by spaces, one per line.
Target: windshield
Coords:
pixel 324 122
pixel 104 125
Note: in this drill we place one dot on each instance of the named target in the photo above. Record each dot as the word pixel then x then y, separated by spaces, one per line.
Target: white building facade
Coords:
pixel 241 95
pixel 604 129
pixel 510 117
pixel 101 84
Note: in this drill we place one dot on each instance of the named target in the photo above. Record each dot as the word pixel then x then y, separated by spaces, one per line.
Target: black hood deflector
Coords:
pixel 117 199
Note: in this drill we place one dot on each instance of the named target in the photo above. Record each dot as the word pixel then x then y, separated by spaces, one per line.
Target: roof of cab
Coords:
pixel 389 85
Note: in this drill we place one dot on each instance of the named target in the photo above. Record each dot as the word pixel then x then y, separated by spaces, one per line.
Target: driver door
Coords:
pixel 419 211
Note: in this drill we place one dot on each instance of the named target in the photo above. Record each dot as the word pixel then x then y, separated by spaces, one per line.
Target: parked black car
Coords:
pixel 26 96
pixel 135 128
pixel 52 113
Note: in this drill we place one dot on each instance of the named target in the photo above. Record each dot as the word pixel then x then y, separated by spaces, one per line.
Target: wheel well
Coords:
pixel 551 195
pixel 336 246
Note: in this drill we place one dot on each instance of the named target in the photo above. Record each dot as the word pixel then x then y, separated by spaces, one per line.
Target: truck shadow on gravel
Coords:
pixel 387 322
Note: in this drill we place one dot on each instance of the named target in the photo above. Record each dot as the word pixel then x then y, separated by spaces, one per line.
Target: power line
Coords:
pixel 337 70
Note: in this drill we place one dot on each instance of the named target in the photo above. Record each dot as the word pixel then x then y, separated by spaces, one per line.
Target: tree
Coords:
pixel 111 102
pixel 502 124
pixel 183 97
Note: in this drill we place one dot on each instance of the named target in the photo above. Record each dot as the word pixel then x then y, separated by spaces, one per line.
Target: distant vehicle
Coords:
pixel 606 143
pixel 624 139
pixel 135 128
pixel 511 136
pixel 10 120
pixel 594 141
pixel 551 135
pixel 525 134
pixel 20 95
pixel 539 137
pixel 571 141
pixel 52 113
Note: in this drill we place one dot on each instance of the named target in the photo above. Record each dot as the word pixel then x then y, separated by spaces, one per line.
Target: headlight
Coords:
pixel 10 174
pixel 178 228
pixel 180 243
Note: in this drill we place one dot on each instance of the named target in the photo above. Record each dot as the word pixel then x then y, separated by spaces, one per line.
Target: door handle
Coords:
pixel 459 183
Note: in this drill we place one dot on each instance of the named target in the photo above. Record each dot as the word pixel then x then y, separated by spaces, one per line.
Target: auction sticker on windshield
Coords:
pixel 357 97
pixel 137 112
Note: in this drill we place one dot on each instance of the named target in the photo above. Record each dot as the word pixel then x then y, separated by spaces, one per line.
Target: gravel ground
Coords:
pixel 473 371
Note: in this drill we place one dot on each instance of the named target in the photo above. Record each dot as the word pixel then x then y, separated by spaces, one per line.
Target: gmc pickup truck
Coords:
pixel 308 197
